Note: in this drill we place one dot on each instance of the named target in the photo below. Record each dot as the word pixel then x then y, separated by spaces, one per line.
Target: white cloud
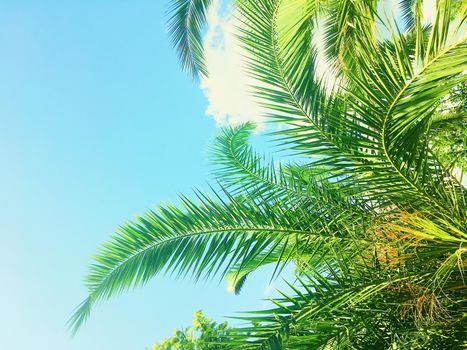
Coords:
pixel 429 11
pixel 228 87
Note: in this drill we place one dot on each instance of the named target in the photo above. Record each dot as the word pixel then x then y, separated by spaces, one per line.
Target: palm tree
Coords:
pixel 374 223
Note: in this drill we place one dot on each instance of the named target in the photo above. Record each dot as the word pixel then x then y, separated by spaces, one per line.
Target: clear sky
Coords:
pixel 97 123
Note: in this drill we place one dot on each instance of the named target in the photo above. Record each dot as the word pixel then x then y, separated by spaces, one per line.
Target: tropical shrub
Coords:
pixel 374 221
pixel 204 334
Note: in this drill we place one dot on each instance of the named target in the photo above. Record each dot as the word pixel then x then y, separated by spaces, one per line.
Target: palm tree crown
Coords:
pixel 374 222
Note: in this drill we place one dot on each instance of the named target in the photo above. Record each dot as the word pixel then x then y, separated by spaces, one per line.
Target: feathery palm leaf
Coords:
pixel 185 25
pixel 211 237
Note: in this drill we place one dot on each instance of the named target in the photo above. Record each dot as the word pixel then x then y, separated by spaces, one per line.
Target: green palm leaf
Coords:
pixel 206 238
pixel 240 169
pixel 186 23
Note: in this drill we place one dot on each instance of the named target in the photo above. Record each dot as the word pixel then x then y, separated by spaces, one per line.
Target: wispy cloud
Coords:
pixel 228 86
pixel 429 11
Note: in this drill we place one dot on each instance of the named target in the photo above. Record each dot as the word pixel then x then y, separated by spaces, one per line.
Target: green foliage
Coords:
pixel 372 215
pixel 449 131
pixel 186 23
pixel 204 334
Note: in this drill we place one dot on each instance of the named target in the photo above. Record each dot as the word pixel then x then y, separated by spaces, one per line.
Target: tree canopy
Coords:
pixel 204 334
pixel 370 212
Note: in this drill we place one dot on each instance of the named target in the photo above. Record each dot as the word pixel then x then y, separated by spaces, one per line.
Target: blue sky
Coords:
pixel 97 123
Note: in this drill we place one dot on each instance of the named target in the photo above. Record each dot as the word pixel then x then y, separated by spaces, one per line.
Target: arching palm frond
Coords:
pixel 186 23
pixel 209 237
pixel 348 131
pixel 405 95
pixel 322 314
pixel 240 169
pixel 318 316
pixel 287 86
pixel 345 21
pixel 205 238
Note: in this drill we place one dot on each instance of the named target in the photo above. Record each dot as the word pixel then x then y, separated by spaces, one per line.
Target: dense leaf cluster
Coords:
pixel 204 334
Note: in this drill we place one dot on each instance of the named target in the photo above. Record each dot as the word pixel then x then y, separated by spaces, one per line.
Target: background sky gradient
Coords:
pixel 98 123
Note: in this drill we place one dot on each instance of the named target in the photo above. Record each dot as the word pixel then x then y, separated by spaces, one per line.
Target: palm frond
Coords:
pixel 404 125
pixel 407 8
pixel 346 20
pixel 333 307
pixel 240 169
pixel 320 310
pixel 347 134
pixel 209 237
pixel 288 88
pixel 186 23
